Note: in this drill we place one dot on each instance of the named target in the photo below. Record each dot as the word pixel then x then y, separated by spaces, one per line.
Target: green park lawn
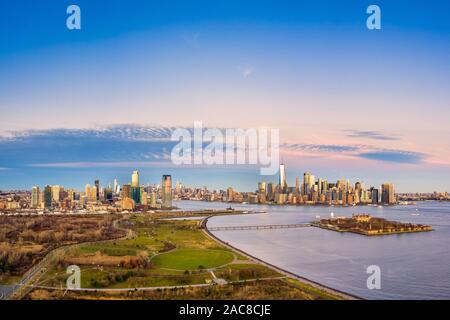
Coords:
pixel 191 259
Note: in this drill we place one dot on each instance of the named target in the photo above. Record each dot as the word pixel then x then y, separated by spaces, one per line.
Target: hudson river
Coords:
pixel 413 266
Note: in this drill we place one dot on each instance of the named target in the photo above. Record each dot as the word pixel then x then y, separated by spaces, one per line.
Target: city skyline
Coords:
pixel 136 196
pixel 289 180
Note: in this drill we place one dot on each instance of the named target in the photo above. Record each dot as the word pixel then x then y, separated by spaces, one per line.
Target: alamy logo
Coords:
pixel 73 22
pixel 374 20
pixel 374 280
pixel 227 147
pixel 74 280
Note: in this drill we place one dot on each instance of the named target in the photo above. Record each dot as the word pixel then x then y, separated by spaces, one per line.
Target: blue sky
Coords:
pixel 349 102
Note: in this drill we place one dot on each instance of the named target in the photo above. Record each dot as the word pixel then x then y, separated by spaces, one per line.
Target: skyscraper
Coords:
pixel 262 187
pixel 178 187
pixel 126 191
pixel 87 190
pixel 308 183
pixel 136 194
pixel 230 194
pixel 94 193
pixel 48 196
pixel 35 197
pixel 135 179
pixel 115 187
pixel 55 193
pixel 71 195
pixel 387 193
pixel 297 185
pixel 153 200
pixel 270 191
pixel 108 193
pixel 324 187
pixel 282 182
pixel 166 192
pixel 97 184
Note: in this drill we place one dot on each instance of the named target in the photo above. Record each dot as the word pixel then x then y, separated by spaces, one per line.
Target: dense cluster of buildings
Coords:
pixel 320 191
pixel 309 191
pixel 114 198
pixel 439 196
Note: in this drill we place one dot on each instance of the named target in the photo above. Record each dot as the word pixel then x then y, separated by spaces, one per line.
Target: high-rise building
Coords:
pixel 319 186
pixel 115 187
pixel 324 187
pixel 282 182
pixel 342 184
pixel 270 191
pixel 87 190
pixel 166 192
pixel 230 194
pixel 48 196
pixel 126 191
pixel 108 194
pixel 135 179
pixel 136 194
pixel 153 200
pixel 35 197
pixel 178 187
pixel 387 193
pixel 94 193
pixel 144 198
pixel 97 185
pixel 55 193
pixel 262 187
pixel 308 183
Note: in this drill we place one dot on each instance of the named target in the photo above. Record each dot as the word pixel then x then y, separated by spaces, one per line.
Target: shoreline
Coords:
pixel 317 285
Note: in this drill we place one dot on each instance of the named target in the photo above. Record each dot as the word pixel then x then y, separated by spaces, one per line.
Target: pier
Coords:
pixel 262 227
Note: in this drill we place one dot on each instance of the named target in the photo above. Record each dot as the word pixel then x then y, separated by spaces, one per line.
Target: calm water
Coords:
pixel 413 266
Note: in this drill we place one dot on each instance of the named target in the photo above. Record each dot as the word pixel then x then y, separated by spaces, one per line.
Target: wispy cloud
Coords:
pixel 319 147
pixel 359 151
pixel 115 144
pixel 98 164
pixel 117 132
pixel 246 72
pixel 369 134
pixel 395 156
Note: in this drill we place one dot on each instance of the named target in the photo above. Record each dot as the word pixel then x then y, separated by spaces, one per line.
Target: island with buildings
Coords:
pixel 369 226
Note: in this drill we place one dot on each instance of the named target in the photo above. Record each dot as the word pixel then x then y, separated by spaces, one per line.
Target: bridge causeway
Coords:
pixel 262 227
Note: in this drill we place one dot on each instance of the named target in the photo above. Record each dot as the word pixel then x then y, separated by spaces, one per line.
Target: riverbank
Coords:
pixel 305 281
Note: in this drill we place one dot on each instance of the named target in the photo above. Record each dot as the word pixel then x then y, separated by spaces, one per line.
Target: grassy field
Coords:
pixel 190 259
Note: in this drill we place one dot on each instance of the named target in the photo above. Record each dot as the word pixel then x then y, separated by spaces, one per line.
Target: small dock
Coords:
pixel 262 227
